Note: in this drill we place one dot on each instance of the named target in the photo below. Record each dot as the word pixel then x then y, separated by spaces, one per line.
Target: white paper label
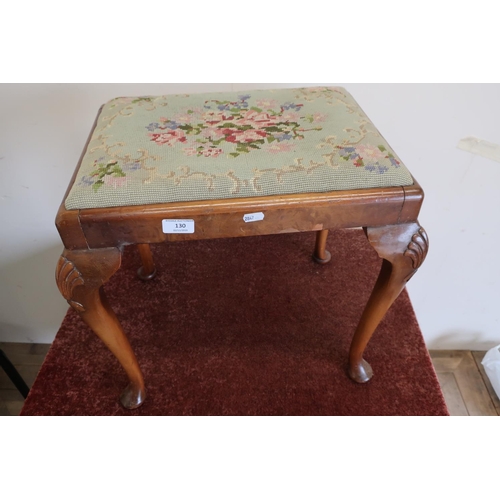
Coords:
pixel 253 217
pixel 175 226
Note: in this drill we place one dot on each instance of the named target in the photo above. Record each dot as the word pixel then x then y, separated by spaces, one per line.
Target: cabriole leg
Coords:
pixel 80 275
pixel 403 248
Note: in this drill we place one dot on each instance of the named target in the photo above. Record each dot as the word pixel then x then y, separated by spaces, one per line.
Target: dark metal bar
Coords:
pixel 13 374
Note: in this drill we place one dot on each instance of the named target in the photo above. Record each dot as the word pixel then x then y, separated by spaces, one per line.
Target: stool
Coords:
pixel 223 165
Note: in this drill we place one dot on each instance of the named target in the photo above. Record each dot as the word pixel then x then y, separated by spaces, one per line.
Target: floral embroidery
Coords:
pixel 300 140
pixel 170 138
pixel 115 182
pixel 368 156
pixel 109 174
pixel 224 123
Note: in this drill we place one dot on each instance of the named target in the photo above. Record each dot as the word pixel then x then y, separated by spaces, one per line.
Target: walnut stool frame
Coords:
pixel 94 239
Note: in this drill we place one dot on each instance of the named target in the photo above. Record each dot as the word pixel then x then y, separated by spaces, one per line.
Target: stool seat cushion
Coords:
pixel 148 150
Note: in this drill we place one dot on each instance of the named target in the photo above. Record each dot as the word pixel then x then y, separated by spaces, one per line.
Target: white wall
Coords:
pixel 43 128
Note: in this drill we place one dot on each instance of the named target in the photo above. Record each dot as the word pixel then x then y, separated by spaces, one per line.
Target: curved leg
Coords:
pixel 147 271
pixel 80 275
pixel 403 248
pixel 321 255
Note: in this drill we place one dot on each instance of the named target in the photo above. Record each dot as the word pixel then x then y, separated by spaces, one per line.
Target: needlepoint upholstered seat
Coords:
pixel 166 149
pixel 168 168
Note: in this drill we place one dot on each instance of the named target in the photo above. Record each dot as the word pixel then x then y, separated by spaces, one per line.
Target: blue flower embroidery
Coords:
pixel 132 166
pixel 86 181
pixel 291 105
pixel 171 125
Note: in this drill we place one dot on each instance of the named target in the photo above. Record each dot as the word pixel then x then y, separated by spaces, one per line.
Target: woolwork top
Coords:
pixel 147 150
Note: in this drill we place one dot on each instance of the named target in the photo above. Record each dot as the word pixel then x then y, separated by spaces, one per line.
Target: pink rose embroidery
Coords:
pixel 212 152
pixel 170 138
pixel 207 153
pixel 244 136
pixel 257 120
pixel 367 151
pixel 235 125
pixel 212 132
pixel 115 182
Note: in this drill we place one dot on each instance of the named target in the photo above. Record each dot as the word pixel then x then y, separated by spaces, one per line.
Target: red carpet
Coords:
pixel 247 326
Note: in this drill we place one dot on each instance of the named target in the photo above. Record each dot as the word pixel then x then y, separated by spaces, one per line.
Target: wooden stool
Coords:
pixel 223 165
